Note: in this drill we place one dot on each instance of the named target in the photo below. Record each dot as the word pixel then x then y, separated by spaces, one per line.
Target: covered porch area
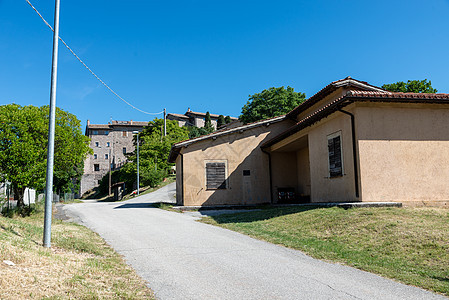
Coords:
pixel 290 170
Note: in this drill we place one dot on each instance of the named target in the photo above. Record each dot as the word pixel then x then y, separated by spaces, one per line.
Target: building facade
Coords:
pixel 110 144
pixel 350 142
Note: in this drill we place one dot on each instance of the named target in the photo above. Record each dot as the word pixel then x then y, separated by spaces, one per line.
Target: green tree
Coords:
pixel 270 103
pixel 153 152
pixel 208 123
pixel 221 121
pixel 23 148
pixel 196 131
pixel 228 120
pixel 412 86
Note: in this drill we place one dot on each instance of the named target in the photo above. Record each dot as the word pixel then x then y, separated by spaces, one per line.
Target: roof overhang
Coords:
pixel 348 82
pixel 358 96
pixel 175 149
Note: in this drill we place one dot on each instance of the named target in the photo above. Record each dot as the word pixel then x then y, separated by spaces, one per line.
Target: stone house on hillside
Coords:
pixel 191 118
pixel 109 142
pixel 351 141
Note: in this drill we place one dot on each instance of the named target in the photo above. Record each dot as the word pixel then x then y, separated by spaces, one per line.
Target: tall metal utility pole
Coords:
pixel 110 170
pixel 138 175
pixel 165 122
pixel 51 133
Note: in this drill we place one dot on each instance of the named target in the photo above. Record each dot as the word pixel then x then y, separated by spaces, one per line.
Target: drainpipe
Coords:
pixel 354 152
pixel 182 176
pixel 269 171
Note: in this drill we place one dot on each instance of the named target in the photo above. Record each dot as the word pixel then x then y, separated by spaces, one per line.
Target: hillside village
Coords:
pixel 219 150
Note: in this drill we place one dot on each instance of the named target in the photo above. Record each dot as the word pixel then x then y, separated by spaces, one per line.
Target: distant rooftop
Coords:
pixel 115 123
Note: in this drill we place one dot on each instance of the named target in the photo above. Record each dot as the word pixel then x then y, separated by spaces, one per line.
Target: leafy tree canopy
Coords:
pixel 197 131
pixel 153 153
pixel 208 123
pixel 412 86
pixel 270 103
pixel 221 121
pixel 23 148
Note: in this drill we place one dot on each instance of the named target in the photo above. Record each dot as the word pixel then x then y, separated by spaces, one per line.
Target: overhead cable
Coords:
pixel 95 75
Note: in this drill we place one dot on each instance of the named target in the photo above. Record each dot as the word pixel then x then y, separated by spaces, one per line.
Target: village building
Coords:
pixel 351 141
pixel 110 144
pixel 197 119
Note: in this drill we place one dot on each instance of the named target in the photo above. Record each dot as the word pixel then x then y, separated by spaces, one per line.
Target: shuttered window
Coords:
pixel 335 159
pixel 215 175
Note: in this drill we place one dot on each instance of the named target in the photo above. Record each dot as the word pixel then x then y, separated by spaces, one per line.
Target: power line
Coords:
pixel 95 75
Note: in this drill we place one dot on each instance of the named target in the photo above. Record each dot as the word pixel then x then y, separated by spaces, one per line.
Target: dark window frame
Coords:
pixel 335 154
pixel 216 175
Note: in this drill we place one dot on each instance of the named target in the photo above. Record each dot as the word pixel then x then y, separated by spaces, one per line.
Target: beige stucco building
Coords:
pixel 349 142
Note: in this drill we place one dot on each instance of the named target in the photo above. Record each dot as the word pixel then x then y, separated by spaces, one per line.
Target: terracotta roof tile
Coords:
pixel 371 94
pixel 204 114
pixel 358 96
pixel 98 126
pixel 328 89
pixel 178 115
pixel 173 154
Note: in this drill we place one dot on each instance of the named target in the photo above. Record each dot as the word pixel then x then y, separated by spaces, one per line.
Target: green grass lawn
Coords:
pixel 79 265
pixel 410 245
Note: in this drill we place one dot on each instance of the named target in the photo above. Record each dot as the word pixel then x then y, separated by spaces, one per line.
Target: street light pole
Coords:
pixel 165 122
pixel 51 133
pixel 138 177
pixel 110 162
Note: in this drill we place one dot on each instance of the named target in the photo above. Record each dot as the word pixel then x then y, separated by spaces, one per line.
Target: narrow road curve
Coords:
pixel 184 259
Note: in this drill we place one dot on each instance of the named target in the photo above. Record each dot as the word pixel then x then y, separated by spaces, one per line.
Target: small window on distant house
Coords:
pixel 97 144
pixel 106 156
pixel 108 144
pixel 94 132
pixel 95 156
pixel 335 155
pixel 215 175
pixel 124 150
pixel 124 133
pixel 96 167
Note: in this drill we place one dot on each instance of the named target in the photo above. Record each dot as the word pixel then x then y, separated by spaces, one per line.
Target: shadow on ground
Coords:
pixel 264 213
pixel 144 205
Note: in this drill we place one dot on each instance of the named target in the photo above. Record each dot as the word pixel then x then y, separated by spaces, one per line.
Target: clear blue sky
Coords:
pixel 210 55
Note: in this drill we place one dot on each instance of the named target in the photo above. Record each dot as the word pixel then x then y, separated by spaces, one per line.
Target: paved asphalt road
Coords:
pixel 184 259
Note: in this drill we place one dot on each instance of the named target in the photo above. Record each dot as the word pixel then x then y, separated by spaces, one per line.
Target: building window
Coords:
pixel 97 144
pixel 124 150
pixel 108 144
pixel 95 156
pixel 335 155
pixel 96 167
pixel 106 156
pixel 215 175
pixel 94 132
pixel 246 173
pixel 124 133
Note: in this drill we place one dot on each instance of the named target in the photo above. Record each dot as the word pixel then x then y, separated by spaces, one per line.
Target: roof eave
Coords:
pixel 351 98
